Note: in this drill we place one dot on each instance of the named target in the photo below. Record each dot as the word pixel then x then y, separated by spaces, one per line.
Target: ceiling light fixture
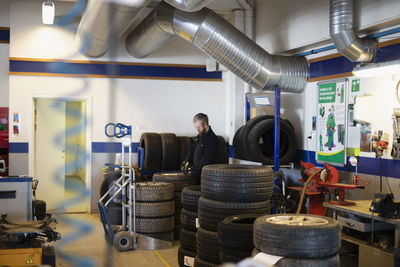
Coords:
pixel 377 69
pixel 48 12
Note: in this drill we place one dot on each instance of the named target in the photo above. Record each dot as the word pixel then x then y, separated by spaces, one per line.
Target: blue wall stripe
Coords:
pixel 111 147
pixel 22 147
pixel 341 64
pixel 4 35
pixel 121 70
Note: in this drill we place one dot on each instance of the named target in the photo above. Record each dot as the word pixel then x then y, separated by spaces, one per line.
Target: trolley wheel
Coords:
pixel 122 241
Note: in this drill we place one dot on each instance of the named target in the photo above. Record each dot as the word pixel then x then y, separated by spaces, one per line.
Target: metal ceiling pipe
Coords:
pixel 342 33
pixel 222 41
pixel 153 33
pixel 189 5
pixel 101 22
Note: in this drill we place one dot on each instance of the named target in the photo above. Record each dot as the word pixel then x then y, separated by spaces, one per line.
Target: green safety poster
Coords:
pixel 331 122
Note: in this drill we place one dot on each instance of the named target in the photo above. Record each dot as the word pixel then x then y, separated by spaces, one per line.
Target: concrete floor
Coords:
pixel 94 247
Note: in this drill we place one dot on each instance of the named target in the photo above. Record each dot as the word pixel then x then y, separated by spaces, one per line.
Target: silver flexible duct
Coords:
pixel 343 35
pixel 153 33
pixel 189 5
pixel 101 21
pixel 219 39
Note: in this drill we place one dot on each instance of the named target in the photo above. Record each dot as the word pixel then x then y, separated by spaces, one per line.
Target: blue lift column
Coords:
pixel 277 130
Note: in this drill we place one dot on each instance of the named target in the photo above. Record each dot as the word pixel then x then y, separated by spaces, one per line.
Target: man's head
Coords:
pixel 200 122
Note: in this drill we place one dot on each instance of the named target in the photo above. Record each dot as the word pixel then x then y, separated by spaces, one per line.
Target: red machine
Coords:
pixel 4 141
pixel 319 185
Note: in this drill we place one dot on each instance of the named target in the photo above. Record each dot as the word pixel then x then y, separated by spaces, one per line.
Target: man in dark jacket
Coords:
pixel 205 147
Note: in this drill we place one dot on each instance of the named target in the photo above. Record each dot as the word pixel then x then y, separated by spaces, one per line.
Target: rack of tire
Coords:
pixel 187 250
pixel 228 190
pixel 165 151
pixel 254 141
pixel 179 182
pixel 302 240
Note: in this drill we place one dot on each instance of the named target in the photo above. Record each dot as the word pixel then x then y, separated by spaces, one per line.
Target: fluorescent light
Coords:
pixel 133 3
pixel 377 69
pixel 48 12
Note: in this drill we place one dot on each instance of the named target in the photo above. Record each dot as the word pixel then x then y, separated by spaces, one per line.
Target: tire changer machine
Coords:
pixel 124 237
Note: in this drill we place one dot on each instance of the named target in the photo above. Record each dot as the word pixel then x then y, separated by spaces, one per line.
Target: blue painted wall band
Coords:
pixel 111 147
pixel 22 147
pixel 4 35
pixel 122 70
pixel 339 65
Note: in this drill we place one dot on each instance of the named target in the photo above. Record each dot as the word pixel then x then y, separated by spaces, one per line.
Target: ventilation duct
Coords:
pixel 189 5
pixel 220 40
pixel 343 35
pixel 101 22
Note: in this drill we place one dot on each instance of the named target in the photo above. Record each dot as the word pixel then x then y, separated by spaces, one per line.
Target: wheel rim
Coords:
pixel 297 220
pixel 123 242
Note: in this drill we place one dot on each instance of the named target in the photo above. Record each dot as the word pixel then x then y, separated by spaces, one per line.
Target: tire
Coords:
pixel 309 236
pixel 185 257
pixel 264 153
pixel 179 179
pixel 122 241
pixel 207 245
pixel 115 215
pixel 234 173
pixel 152 144
pixel 188 220
pixel 177 232
pixel 233 255
pixel 185 144
pixel 154 191
pixel 211 212
pixel 49 256
pixel 155 225
pixel 188 240
pixel 202 263
pixel 236 192
pixel 155 209
pixel 222 154
pixel 236 232
pixel 39 209
pixel 178 200
pixel 170 151
pixel 237 183
pixel 332 261
pixel 236 144
pixel 109 182
pixel 245 133
pixel 190 197
pixel 168 236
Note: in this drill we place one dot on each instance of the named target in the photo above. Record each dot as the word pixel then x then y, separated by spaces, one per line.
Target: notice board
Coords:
pixel 332 121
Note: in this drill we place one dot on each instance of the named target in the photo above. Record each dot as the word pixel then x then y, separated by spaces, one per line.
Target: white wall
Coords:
pixel 4 54
pixel 286 25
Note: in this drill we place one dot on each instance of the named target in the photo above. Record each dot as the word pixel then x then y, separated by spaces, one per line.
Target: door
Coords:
pixel 50 151
pixel 60 153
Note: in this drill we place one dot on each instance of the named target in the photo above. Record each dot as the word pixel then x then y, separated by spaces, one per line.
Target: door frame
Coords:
pixel 32 144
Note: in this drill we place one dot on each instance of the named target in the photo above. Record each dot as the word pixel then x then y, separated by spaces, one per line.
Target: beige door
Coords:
pixel 50 151
pixel 60 153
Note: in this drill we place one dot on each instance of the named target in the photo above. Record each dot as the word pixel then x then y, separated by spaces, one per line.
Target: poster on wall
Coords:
pixel 331 122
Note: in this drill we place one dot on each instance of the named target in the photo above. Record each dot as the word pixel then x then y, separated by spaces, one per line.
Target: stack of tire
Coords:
pixel 302 240
pixel 255 140
pixel 179 181
pixel 187 250
pixel 228 190
pixel 165 151
pixel 235 236
pixel 155 209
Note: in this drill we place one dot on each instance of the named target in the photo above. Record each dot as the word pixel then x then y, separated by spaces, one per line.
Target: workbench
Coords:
pixel 371 256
